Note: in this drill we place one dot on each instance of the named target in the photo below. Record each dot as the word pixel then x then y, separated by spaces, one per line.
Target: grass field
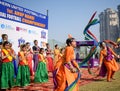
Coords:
pixel 103 85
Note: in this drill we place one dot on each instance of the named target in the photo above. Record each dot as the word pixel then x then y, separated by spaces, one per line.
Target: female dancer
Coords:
pixel 108 63
pixel 61 53
pixel 30 58
pixel 23 76
pixel 41 74
pixel 49 58
pixel 7 69
pixel 66 73
pixel 14 59
pixel 56 53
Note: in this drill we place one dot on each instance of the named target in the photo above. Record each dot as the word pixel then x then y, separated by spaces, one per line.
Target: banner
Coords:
pixel 19 14
pixel 22 25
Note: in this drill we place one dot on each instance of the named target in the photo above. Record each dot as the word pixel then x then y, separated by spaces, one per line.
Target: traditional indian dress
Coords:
pixel 60 56
pixel 23 76
pixel 64 79
pixel 41 74
pixel 109 64
pixel 35 57
pixel 50 65
pixel 56 55
pixel 14 62
pixel 7 71
pixel 30 63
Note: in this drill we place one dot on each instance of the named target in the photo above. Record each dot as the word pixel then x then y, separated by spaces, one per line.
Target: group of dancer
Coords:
pixel 66 71
pixel 67 68
pixel 17 69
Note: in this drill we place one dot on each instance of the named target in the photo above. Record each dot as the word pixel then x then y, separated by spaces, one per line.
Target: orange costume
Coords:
pixel 109 62
pixel 56 55
pixel 24 60
pixel 7 70
pixel 23 75
pixel 64 77
pixel 60 56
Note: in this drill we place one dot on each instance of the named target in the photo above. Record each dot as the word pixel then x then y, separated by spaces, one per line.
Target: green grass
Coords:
pixel 103 85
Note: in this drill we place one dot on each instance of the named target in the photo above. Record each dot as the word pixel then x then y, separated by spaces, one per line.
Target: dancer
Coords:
pixel 61 53
pixel 14 59
pixel 23 76
pixel 49 58
pixel 30 58
pixel 4 38
pixel 56 53
pixel 41 74
pixel 7 69
pixel 66 70
pixel 108 63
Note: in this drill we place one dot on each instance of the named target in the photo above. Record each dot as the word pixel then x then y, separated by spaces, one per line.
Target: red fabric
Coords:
pixel 30 59
pixel 50 63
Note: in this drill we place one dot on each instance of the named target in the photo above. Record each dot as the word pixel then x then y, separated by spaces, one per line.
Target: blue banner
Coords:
pixel 19 14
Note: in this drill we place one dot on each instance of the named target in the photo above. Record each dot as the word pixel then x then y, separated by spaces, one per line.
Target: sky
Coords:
pixel 68 16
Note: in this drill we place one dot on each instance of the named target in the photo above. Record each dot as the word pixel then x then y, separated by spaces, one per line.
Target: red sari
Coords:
pixel 49 60
pixel 30 59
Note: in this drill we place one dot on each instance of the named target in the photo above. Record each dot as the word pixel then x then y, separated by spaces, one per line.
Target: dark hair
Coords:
pixel 69 41
pixel 101 44
pixel 56 45
pixel 47 44
pixel 23 45
pixel 6 42
pixel 35 41
pixel 41 49
pixel 3 35
pixel 27 43
pixel 61 50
